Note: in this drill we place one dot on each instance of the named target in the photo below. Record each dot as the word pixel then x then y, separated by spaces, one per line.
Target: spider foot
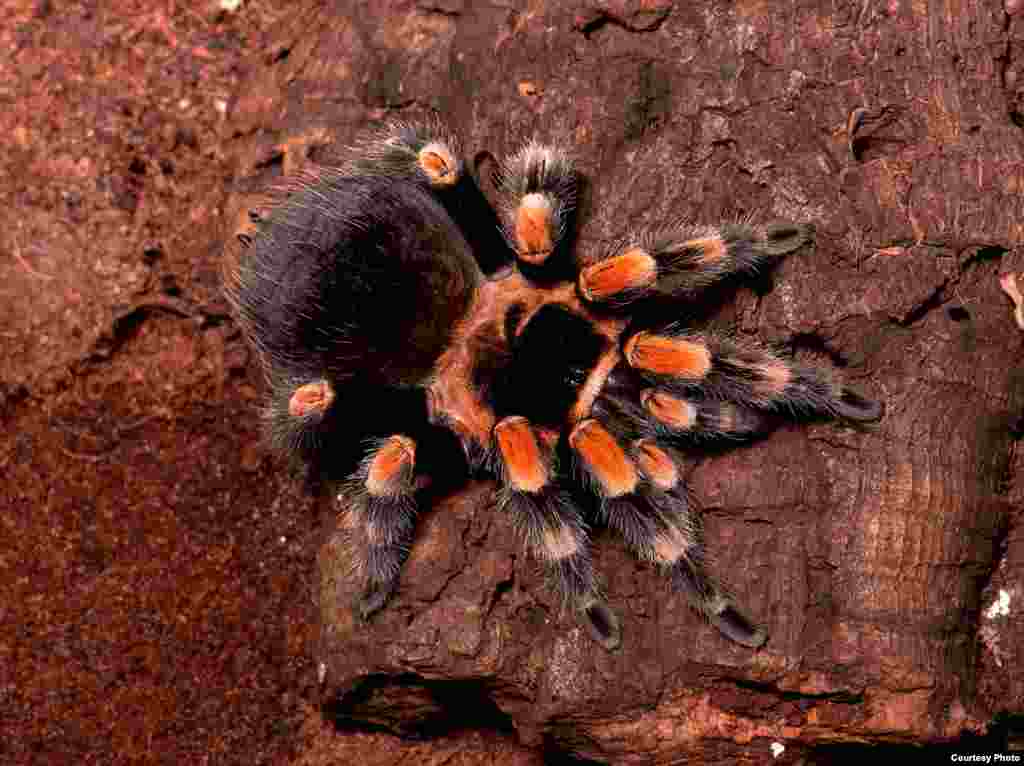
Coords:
pixel 782 237
pixel 853 406
pixel 734 625
pixel 688 576
pixel 601 622
pixel 374 597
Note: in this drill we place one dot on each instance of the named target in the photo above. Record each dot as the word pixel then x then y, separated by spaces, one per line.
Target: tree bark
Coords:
pixel 888 562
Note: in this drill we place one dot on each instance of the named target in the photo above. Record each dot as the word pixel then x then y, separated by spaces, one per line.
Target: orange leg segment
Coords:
pixel 604 458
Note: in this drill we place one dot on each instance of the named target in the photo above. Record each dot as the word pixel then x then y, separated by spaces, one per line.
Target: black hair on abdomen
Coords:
pixel 355 278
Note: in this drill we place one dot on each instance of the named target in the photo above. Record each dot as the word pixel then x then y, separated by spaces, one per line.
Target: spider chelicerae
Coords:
pixel 410 330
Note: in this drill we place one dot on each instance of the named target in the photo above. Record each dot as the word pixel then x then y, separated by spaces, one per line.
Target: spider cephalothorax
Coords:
pixel 404 339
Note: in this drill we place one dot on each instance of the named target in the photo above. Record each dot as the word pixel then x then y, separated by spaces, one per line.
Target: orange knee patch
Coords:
pixel 775 377
pixel 311 399
pixel 711 249
pixel 729 419
pixel 634 269
pixel 534 226
pixel 659 468
pixel 524 466
pixel 604 458
pixel 391 466
pixel 668 356
pixel 670 410
pixel 559 543
pixel 670 545
pixel 441 168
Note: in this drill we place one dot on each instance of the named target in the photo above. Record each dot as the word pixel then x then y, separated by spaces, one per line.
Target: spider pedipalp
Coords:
pixel 538 189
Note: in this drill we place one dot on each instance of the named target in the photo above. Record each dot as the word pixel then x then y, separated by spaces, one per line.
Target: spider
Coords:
pixel 410 330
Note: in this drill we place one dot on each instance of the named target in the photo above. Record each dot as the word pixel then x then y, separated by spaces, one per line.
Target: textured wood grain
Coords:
pixel 878 558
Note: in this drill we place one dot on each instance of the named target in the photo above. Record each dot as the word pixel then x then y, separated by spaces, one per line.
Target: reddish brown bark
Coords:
pixel 872 555
pixel 160 573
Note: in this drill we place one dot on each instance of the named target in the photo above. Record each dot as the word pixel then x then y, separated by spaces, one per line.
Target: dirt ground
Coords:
pixel 153 591
pixel 155 597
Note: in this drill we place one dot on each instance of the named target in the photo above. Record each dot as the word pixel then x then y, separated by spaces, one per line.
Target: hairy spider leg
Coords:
pixel 378 515
pixel 716 367
pixel 642 497
pixel 538 187
pixel 679 261
pixel 634 407
pixel 551 524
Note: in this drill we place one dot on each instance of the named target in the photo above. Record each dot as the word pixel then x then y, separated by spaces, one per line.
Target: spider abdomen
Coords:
pixel 350 290
pixel 356 277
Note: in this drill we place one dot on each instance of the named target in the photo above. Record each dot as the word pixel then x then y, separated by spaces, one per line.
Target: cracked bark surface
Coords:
pixel 157 566
pixel 874 557
pixel 158 606
pixel 877 558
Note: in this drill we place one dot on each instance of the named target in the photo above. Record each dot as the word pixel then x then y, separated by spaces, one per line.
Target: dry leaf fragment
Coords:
pixel 1008 282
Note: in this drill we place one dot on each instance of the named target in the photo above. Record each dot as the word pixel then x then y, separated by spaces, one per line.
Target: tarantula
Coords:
pixel 408 330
